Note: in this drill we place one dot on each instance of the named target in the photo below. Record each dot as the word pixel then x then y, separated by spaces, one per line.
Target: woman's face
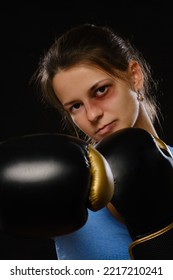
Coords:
pixel 98 104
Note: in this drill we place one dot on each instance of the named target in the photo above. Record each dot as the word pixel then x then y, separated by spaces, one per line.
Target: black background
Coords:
pixel 26 32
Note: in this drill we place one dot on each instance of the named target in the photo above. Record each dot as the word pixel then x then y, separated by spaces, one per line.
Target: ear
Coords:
pixel 136 75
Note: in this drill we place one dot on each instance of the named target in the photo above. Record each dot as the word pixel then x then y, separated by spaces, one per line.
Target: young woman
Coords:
pixel 101 84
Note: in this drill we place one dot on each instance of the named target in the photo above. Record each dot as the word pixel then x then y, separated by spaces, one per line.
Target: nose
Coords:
pixel 93 111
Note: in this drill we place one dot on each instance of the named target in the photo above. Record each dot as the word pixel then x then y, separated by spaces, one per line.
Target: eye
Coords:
pixel 75 107
pixel 101 90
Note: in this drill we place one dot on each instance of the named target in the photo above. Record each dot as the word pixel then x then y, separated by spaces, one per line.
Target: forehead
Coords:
pixel 83 69
pixel 79 75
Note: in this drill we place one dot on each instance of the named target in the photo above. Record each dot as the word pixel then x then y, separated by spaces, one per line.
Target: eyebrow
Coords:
pixel 90 90
pixel 69 103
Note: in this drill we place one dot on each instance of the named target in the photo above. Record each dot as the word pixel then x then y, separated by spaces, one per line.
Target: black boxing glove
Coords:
pixel 47 182
pixel 142 167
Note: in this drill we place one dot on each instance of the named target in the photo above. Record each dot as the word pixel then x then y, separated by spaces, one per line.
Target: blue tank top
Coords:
pixel 171 149
pixel 102 238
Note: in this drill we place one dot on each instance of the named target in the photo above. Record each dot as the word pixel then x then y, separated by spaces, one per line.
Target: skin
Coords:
pixel 98 103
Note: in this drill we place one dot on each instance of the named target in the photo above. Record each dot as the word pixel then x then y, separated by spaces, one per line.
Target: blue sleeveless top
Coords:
pixel 103 237
pixel 171 149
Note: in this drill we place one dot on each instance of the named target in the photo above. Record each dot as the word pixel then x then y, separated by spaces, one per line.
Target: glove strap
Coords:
pixel 163 146
pixel 156 246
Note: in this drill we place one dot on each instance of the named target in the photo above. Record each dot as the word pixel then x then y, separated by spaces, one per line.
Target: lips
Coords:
pixel 106 128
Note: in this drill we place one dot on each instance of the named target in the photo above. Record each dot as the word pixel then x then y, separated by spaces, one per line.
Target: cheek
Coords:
pixel 129 99
pixel 126 106
pixel 79 121
pixel 131 111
